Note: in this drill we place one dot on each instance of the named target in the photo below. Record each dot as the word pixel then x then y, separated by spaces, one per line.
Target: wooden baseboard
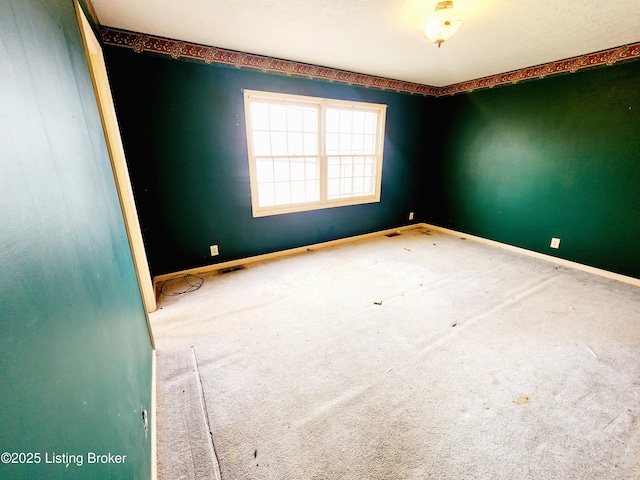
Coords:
pixel 268 256
pixel 549 258
pixel 281 253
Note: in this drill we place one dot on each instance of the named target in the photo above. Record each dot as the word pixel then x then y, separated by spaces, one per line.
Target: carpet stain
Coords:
pixel 523 399
pixel 233 454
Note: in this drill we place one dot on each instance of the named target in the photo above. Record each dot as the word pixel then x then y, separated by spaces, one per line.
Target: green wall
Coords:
pixel 184 136
pixel 75 352
pixel 558 157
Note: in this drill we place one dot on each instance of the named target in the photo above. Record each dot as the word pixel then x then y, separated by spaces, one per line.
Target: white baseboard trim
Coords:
pixel 268 256
pixel 550 258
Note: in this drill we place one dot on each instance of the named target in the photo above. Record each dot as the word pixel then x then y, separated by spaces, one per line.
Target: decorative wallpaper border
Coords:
pixel 148 43
pixel 176 49
pixel 571 65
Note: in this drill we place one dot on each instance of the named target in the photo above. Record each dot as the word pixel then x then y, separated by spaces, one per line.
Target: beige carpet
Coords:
pixel 419 356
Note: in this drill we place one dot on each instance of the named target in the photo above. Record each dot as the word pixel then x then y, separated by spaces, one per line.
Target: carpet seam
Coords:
pixel 216 464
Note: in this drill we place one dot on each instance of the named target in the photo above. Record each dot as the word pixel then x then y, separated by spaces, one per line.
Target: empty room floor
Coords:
pixel 418 356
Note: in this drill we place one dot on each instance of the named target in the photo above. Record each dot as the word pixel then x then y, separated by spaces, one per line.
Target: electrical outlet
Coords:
pixel 410 215
pixel 555 243
pixel 214 250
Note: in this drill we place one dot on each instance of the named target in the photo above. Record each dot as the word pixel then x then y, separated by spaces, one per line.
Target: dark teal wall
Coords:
pixel 184 136
pixel 75 352
pixel 558 157
pixel 519 164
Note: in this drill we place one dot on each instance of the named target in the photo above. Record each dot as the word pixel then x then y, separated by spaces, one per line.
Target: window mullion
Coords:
pixel 322 150
pixel 353 163
pixel 273 163
pixel 286 137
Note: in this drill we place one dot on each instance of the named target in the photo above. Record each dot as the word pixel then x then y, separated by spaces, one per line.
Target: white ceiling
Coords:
pixel 383 38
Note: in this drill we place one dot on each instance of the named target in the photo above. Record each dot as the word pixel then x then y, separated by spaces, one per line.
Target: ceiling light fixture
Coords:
pixel 445 21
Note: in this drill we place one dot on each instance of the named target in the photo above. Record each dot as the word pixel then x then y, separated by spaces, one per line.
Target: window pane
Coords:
pixel 281 169
pixel 345 121
pixel 279 143
pixel 369 144
pixel 358 122
pixel 277 117
pixel 345 187
pixel 283 194
pixel 261 143
pixel 333 188
pixel 294 119
pixel 259 116
pixel 266 195
pixel 369 165
pixel 310 119
pixel 310 144
pixel 357 144
pixel 358 186
pixel 264 170
pixel 358 167
pixel 298 194
pixel 313 190
pixel 312 171
pixel 333 120
pixel 333 143
pixel 345 143
pixel 370 122
pixel 297 169
pixel 333 168
pixel 295 144
pixel 347 167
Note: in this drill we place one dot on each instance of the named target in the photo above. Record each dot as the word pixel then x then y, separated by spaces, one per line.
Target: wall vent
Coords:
pixel 231 269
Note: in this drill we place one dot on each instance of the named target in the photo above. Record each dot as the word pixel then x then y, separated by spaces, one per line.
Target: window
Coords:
pixel 307 153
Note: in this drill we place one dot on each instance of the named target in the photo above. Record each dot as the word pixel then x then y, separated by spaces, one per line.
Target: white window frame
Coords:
pixel 322 104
